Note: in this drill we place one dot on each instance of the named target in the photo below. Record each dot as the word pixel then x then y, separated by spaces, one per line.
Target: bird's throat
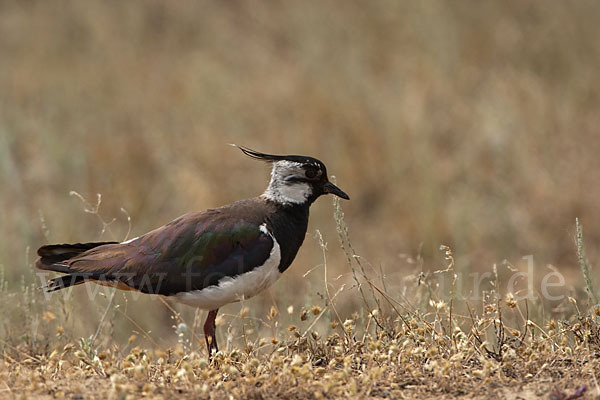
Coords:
pixel 288 194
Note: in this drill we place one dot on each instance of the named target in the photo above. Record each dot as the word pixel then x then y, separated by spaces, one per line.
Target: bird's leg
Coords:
pixel 209 332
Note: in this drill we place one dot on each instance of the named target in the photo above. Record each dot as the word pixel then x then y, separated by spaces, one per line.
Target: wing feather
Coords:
pixel 192 252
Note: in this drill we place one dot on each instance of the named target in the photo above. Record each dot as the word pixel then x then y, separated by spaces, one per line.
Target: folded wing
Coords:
pixel 192 252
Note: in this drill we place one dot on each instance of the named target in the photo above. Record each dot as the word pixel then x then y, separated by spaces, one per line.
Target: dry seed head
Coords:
pixel 272 313
pixel 220 320
pixel 244 311
pixel 139 371
pixel 231 370
pixel 303 315
pixel 510 300
pixel 235 354
pixel 297 361
pixel 316 310
pixel 49 317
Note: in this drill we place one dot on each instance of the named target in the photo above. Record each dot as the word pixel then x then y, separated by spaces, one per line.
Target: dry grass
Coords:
pixel 397 350
pixel 414 361
pixel 471 125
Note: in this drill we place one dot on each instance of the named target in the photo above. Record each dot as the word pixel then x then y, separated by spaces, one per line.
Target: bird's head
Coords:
pixel 295 179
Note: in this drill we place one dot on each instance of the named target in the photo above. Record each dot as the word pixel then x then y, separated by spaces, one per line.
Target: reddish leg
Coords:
pixel 209 332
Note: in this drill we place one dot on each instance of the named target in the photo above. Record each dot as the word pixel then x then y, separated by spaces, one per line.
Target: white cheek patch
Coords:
pixel 296 193
pixel 283 192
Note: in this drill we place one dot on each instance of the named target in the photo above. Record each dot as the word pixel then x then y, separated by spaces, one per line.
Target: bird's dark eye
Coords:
pixel 311 173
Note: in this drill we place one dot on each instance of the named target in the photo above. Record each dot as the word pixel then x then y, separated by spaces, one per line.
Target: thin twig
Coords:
pixel 329 299
pixel 146 334
pixel 108 306
pixel 583 262
pixel 178 317
pixel 318 317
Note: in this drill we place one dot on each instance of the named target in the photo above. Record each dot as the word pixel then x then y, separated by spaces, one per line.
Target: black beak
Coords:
pixel 331 188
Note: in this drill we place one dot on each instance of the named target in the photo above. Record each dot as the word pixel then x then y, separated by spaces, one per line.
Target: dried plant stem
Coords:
pixel 138 327
pixel 330 302
pixel 178 317
pixel 318 317
pixel 583 263
pixel 352 257
pixel 108 306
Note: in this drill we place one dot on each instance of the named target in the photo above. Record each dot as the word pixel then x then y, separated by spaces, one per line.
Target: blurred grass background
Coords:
pixel 468 123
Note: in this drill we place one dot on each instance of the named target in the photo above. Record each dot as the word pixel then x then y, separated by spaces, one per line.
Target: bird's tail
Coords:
pixel 55 257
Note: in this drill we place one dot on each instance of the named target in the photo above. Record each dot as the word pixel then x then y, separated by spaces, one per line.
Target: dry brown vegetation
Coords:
pixel 417 360
pixel 467 124
pixel 409 345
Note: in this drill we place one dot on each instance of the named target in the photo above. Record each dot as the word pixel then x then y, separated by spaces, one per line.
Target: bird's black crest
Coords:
pixel 258 155
pixel 275 157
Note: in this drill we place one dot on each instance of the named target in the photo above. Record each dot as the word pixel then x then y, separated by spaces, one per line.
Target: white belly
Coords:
pixel 233 289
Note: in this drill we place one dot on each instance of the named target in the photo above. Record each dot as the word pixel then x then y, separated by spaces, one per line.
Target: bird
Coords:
pixel 211 258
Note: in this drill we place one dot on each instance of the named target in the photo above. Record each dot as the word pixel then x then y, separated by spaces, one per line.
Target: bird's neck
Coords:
pixel 289 224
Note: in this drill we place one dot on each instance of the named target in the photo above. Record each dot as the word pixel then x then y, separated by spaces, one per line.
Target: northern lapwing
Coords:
pixel 211 258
